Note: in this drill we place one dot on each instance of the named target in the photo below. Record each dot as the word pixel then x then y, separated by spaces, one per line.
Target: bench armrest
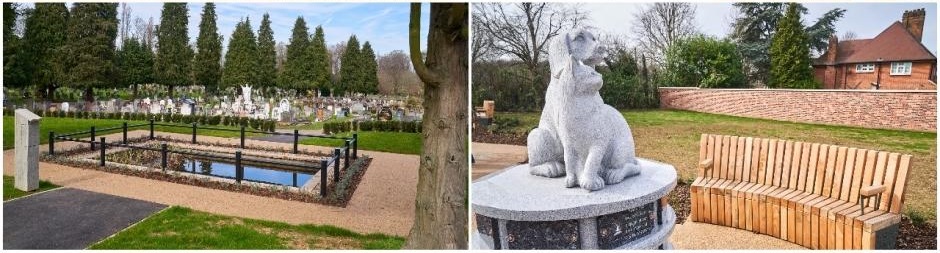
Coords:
pixel 704 166
pixel 869 191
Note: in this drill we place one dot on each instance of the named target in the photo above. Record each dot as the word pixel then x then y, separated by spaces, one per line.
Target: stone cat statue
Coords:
pixel 579 136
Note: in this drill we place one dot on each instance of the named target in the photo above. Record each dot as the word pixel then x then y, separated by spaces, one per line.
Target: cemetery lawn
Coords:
pixel 182 228
pixel 70 125
pixel 673 137
pixel 9 192
pixel 392 142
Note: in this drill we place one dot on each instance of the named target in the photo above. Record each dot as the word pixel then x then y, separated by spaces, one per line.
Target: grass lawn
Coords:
pixel 673 137
pixel 70 125
pixel 183 228
pixel 392 142
pixel 9 192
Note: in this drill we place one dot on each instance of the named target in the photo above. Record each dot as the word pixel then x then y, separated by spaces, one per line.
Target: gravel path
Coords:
pixel 383 202
pixel 490 158
pixel 69 218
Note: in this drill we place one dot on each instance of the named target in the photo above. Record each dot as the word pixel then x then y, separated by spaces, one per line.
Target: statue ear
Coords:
pixel 567 57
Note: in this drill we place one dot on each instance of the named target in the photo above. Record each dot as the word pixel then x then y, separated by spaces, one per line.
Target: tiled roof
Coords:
pixel 893 44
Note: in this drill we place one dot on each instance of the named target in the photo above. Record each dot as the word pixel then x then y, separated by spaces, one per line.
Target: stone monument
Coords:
pixel 26 153
pixel 584 187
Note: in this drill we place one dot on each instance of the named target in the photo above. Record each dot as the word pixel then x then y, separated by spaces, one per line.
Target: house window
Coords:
pixel 901 68
pixel 864 68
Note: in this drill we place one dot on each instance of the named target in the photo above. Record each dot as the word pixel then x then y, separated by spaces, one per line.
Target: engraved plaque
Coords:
pixel 617 229
pixel 562 234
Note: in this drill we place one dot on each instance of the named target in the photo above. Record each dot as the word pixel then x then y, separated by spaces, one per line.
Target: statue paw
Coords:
pixel 548 170
pixel 571 181
pixel 591 182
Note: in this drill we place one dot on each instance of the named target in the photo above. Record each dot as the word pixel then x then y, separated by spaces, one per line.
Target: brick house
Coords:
pixel 895 59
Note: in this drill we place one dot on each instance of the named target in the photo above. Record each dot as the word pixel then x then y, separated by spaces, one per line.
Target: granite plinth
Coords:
pixel 516 210
pixel 514 194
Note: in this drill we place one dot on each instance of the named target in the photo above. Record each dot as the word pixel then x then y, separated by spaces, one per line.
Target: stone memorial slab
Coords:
pixel 26 153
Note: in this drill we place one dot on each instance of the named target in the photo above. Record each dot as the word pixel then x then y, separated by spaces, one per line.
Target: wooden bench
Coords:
pixel 815 195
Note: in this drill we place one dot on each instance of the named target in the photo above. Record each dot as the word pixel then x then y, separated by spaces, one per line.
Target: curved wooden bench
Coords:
pixel 807 193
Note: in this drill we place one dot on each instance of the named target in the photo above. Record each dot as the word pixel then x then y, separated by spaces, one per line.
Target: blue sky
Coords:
pixel 384 25
pixel 865 19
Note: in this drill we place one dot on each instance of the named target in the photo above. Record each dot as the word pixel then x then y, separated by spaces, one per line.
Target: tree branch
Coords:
pixel 414 38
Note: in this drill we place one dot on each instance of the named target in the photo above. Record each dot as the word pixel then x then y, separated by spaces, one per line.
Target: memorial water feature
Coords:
pixel 234 163
pixel 584 187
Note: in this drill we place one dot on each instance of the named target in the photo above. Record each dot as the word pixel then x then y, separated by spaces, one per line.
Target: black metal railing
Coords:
pixel 339 157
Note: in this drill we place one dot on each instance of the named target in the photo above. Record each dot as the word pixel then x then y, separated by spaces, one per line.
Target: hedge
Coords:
pixel 333 127
pixel 257 124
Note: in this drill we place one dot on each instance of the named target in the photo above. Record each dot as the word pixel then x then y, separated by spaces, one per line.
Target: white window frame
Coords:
pixel 864 68
pixel 901 68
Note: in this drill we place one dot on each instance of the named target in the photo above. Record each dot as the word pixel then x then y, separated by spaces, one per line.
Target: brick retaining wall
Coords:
pixel 891 109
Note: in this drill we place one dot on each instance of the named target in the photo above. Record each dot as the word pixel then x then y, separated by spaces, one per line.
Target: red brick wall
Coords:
pixel 891 109
pixel 837 77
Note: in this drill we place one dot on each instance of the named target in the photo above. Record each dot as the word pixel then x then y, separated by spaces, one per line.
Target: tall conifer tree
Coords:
pixel 241 60
pixel 135 63
pixel 43 45
pixel 91 33
pixel 790 65
pixel 350 68
pixel 267 55
pixel 320 61
pixel 207 68
pixel 172 63
pixel 297 74
pixel 370 76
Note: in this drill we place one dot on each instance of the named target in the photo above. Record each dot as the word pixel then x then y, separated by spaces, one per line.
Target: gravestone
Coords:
pixel 65 106
pixel 26 153
pixel 583 187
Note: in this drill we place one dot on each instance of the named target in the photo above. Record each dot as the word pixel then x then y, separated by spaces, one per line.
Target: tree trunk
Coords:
pixel 441 203
pixel 89 97
pixel 169 90
pixel 135 90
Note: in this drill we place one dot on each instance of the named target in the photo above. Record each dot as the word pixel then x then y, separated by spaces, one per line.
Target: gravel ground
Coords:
pixel 383 202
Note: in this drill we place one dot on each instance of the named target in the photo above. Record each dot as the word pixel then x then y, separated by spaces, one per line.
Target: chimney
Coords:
pixel 913 20
pixel 833 51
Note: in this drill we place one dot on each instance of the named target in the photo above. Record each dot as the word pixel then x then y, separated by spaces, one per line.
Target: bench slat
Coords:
pixel 820 169
pixel 795 164
pixel 880 168
pixel 849 170
pixel 778 163
pixel 748 151
pixel 890 172
pixel 839 172
pixel 771 162
pixel 858 174
pixel 739 160
pixel 897 196
pixel 787 158
pixel 830 171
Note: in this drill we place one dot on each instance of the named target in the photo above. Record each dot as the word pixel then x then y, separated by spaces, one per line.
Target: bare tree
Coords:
pixel 394 67
pixel 336 58
pixel 146 30
pixel 280 51
pixel 482 45
pixel 125 23
pixel 523 30
pixel 849 35
pixel 660 25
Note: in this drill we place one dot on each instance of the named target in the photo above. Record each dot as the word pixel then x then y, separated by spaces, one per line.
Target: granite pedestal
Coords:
pixel 516 210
